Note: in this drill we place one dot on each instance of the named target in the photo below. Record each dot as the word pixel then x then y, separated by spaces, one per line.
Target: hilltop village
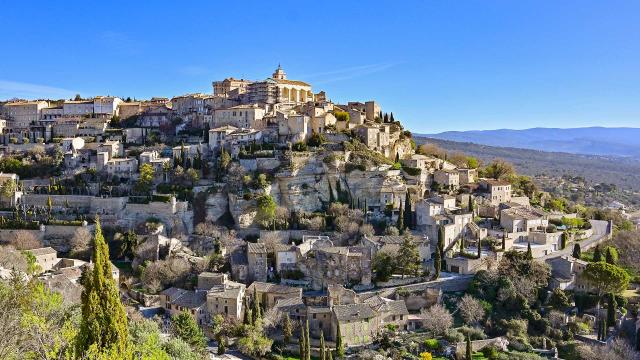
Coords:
pixel 280 224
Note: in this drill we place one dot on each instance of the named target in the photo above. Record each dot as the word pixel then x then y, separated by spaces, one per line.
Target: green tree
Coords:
pixel 499 169
pixel 103 328
pixel 611 255
pixel 323 355
pixel 559 300
pixel 256 310
pixel 611 309
pixel 384 265
pixel 408 258
pixel 221 345
pixel 266 209
pixel 254 343
pixel 563 240
pixel 184 326
pixel 248 318
pixel 469 349
pixel 597 254
pixel 408 213
pixel 340 351
pixel 49 205
pixel 129 243
pixel 145 180
pixel 400 222
pixel 145 335
pixel 302 347
pixel 606 278
pixel 307 341
pixel 529 252
pixel 577 253
pixel 437 259
pixel 287 328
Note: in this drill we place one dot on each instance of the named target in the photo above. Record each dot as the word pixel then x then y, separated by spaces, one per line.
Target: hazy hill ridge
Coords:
pixel 622 141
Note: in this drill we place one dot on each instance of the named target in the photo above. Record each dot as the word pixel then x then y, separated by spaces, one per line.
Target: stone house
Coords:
pixel 257 262
pixel 389 312
pixel 523 219
pixel 286 257
pixel 175 300
pixel 467 176
pixel 358 324
pixel 338 265
pixel 449 179
pixel 223 296
pixel 269 293
pixel 496 191
pixel 565 273
pixel 391 244
pixel 46 258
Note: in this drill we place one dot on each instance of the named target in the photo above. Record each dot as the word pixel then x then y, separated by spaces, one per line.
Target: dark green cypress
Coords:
pixel 577 253
pixel 597 255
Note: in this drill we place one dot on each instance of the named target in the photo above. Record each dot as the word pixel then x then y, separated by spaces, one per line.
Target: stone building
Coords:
pixel 257 262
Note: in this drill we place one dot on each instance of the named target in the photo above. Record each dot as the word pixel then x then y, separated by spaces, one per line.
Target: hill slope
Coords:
pixel 624 172
pixel 589 140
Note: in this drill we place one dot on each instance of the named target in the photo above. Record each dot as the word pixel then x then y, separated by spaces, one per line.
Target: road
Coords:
pixel 600 233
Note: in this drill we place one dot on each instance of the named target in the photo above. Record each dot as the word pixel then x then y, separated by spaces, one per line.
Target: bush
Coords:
pixel 454 336
pixel 299 146
pixel 412 171
pixel 473 333
pixel 432 344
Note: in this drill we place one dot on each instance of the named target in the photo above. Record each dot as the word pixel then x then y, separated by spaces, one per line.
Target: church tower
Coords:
pixel 279 74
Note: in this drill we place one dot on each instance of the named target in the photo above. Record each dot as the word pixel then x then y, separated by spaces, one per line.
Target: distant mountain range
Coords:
pixel 588 140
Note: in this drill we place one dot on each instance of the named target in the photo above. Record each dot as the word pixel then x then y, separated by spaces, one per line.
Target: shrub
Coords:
pixel 431 344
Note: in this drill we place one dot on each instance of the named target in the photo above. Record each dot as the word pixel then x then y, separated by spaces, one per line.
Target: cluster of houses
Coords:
pixel 328 283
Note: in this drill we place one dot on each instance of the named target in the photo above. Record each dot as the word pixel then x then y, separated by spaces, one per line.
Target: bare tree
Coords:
pixel 12 259
pixel 437 319
pixel 81 242
pixel 470 309
pixel 367 230
pixel 618 349
pixel 25 240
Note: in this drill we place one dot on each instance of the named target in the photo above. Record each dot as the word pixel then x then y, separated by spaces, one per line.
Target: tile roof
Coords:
pixel 191 299
pixel 43 251
pixel 256 248
pixel 353 312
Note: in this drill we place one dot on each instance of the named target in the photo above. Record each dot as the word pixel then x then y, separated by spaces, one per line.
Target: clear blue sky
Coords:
pixel 438 65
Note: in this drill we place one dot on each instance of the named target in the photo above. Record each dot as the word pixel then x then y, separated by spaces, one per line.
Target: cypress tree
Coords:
pixel 469 349
pixel 104 321
pixel 529 252
pixel 408 214
pixel 358 206
pixel 248 318
pixel 386 118
pixel 599 330
pixel 330 355
pixel 597 255
pixel 504 240
pixel 400 221
pixel 471 206
pixel 577 253
pixel 256 307
pixel 221 345
pixel 307 341
pixel 479 248
pixel 391 118
pixel 287 329
pixel 323 355
pixel 437 259
pixel 563 240
pixel 301 345
pixel 611 309
pixel 608 256
pixel 339 343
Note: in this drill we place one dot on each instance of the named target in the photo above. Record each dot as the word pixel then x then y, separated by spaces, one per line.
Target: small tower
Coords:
pixel 279 74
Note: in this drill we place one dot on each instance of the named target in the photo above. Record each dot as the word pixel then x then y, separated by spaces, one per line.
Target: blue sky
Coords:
pixel 438 65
